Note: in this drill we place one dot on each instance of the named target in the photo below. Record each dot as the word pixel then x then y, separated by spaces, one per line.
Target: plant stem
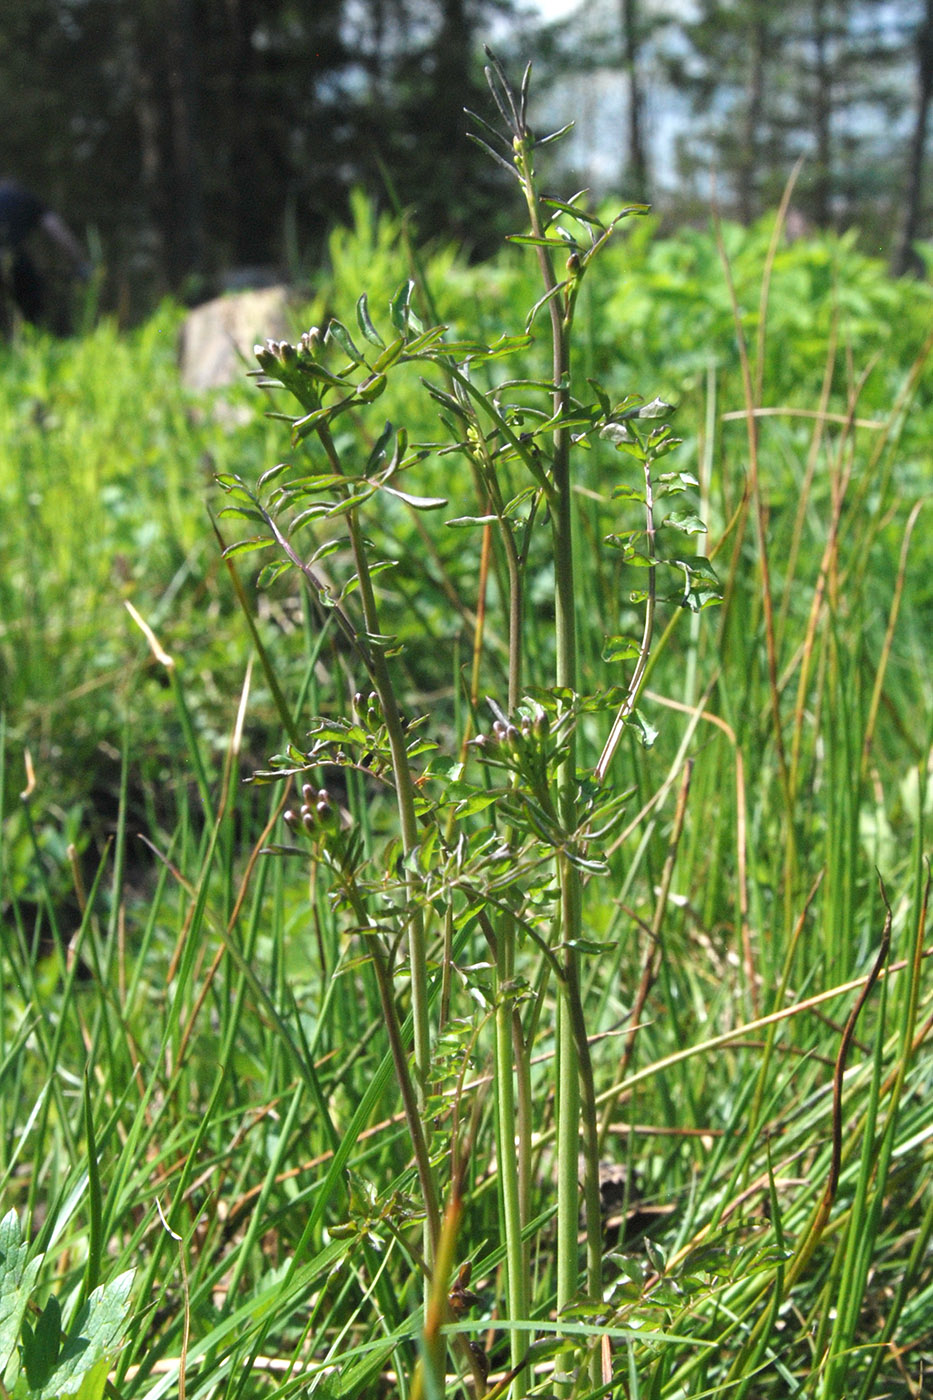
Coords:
pixel 509 1175
pixel 408 822
pixel 575 1080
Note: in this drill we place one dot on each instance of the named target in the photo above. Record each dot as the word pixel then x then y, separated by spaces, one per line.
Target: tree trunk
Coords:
pixel 904 259
pixel 636 182
pixel 748 166
pixel 190 241
pixel 822 114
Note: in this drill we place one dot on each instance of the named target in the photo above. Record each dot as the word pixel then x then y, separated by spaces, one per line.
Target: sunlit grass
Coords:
pixel 231 1037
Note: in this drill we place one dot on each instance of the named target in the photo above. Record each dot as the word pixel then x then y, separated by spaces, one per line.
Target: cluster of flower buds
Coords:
pixel 368 708
pixel 310 342
pixel 514 741
pixel 274 355
pixel 524 745
pixel 317 817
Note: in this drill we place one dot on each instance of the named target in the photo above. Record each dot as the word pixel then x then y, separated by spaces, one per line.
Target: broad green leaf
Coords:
pixel 95 1381
pixel 629 493
pixel 41 1346
pixel 94 1337
pixel 686 521
pixel 616 433
pixel 621 649
pixel 17 1279
pixel 657 408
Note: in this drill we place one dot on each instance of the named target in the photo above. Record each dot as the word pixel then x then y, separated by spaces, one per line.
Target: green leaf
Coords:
pixel 351 502
pixel 338 332
pixel 377 457
pixel 485 146
pixel 95 1381
pixel 270 572
pixel 554 136
pixel 678 480
pixel 657 408
pixel 621 649
pixel 240 513
pixel 643 728
pixel 508 345
pixel 246 546
pixel 272 474
pixel 542 301
pixel 699 571
pixel 235 488
pixel 400 307
pixel 302 518
pixel 41 1347
pixel 417 502
pixel 616 433
pixel 629 493
pixel 592 945
pixel 17 1279
pixel 426 340
pixel 686 521
pixel 536 242
pixel 389 355
pixel 477 803
pixel 365 324
pixel 580 214
pixel 301 427
pixel 95 1337
pixel 372 388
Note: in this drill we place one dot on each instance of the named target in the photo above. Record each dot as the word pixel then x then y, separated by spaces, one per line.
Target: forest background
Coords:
pixel 186 138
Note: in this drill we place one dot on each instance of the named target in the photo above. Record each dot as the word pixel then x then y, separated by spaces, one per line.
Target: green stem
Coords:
pixel 509 1173
pixel 575 1089
pixel 405 798
pixel 410 1102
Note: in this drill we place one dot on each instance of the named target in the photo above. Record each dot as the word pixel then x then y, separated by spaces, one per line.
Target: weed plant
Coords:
pixel 532 1062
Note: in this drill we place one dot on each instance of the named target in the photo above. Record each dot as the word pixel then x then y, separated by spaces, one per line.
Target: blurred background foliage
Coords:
pixel 109 463
pixel 190 138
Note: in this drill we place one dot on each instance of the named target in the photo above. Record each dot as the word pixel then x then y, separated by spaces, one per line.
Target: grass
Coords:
pixel 195 1080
